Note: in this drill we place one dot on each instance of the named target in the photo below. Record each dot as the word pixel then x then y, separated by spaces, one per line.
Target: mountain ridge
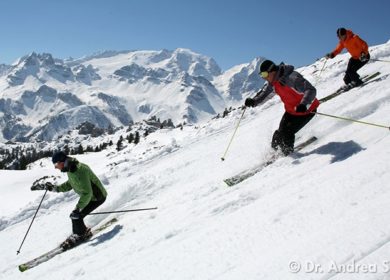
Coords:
pixel 122 86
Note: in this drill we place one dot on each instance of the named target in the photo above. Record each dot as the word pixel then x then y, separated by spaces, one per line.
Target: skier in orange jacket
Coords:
pixel 359 55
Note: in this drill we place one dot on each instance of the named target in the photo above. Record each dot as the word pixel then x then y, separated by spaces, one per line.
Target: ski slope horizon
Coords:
pixel 306 216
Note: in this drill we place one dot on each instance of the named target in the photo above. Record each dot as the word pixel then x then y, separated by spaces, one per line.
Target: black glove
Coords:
pixel 44 186
pixel 301 108
pixel 50 187
pixel 249 102
pixel 363 57
pixel 75 215
pixel 329 55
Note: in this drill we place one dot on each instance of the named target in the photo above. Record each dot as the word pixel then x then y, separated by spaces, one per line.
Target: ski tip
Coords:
pixel 22 268
pixel 228 183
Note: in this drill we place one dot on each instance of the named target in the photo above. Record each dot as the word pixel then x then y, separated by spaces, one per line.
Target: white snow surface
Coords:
pixel 324 210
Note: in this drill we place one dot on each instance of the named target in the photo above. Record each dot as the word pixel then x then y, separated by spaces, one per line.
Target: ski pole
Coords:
pixel 234 133
pixel 36 212
pixel 373 59
pixel 123 211
pixel 352 120
pixel 323 66
pixel 319 75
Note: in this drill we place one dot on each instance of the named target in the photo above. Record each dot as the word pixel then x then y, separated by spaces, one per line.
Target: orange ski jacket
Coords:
pixel 353 43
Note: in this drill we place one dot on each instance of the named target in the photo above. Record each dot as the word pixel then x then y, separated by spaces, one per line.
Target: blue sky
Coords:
pixel 231 32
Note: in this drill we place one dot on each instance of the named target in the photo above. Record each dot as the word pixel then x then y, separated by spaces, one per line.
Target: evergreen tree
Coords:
pixel 89 148
pixel 225 113
pixel 137 138
pixel 23 163
pixel 119 144
pixel 130 138
pixel 80 150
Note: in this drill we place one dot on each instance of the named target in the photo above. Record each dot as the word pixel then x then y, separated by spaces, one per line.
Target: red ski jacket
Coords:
pixel 292 89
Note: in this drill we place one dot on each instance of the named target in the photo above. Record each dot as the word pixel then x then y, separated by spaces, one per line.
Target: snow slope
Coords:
pixel 320 211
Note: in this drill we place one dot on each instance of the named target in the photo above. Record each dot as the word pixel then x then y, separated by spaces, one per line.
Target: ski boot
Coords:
pixel 75 239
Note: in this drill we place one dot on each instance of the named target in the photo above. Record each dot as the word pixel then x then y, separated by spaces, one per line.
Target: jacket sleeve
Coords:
pixel 64 187
pixel 264 94
pixel 338 49
pixel 303 86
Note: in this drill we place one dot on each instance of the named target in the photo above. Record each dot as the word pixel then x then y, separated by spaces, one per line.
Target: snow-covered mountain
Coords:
pixel 240 81
pixel 319 214
pixel 43 97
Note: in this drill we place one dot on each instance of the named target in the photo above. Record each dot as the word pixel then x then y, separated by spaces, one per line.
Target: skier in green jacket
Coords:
pixel 87 185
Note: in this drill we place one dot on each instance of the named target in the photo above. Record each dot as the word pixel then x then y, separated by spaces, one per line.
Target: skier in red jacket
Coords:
pixel 359 55
pixel 298 96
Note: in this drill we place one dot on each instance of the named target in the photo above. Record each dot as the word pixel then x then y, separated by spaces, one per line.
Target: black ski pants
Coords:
pixel 353 66
pixel 284 136
pixel 78 225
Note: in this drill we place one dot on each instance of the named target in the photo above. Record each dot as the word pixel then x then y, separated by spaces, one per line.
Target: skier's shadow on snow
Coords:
pixel 106 236
pixel 339 150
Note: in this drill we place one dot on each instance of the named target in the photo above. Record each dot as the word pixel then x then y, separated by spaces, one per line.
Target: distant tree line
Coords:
pixel 225 113
pixel 19 157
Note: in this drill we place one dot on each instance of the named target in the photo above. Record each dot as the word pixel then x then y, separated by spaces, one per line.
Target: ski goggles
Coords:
pixel 265 74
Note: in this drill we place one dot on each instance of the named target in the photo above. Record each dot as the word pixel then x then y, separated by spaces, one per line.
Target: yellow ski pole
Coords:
pixel 352 120
pixel 319 75
pixel 381 60
pixel 234 133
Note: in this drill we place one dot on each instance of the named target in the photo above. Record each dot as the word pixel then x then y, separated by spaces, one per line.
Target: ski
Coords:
pixel 341 90
pixel 249 173
pixel 58 250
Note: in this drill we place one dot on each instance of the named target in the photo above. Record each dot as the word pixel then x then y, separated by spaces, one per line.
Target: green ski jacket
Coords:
pixel 84 182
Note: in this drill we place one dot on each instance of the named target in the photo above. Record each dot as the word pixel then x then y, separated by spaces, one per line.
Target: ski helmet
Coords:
pixel 266 67
pixel 341 32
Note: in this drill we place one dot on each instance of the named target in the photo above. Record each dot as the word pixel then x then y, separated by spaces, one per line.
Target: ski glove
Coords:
pixel 75 215
pixel 329 55
pixel 44 186
pixel 363 57
pixel 249 102
pixel 50 187
pixel 301 108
